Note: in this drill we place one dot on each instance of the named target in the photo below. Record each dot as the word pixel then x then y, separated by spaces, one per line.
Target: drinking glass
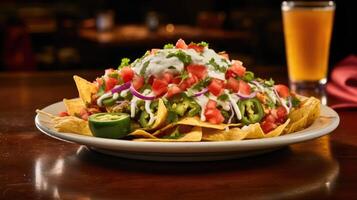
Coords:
pixel 307 32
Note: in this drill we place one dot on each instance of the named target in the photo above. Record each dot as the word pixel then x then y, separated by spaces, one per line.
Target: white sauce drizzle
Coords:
pixel 202 101
pixel 115 96
pixel 159 62
pixel 124 93
pixel 283 103
pixel 234 99
pixel 147 108
pixel 101 98
pixel 231 117
pixel 133 106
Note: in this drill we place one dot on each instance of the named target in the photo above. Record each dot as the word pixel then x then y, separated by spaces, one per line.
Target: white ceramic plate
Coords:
pixel 192 151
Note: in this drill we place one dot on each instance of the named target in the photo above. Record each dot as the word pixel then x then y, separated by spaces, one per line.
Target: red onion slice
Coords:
pixel 120 88
pixel 200 92
pixel 139 95
pixel 245 96
pixel 257 84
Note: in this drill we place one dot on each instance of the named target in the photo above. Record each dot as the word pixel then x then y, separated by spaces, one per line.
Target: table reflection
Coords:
pixel 64 177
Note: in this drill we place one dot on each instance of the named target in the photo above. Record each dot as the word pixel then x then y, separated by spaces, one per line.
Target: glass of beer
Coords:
pixel 307 31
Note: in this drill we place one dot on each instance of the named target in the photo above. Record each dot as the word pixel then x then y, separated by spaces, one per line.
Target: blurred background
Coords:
pixel 96 34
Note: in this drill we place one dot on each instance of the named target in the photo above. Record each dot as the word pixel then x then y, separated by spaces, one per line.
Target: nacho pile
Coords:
pixel 183 93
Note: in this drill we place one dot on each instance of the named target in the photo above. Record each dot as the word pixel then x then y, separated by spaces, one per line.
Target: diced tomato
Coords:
pixel 173 90
pixel 84 114
pixel 192 79
pixel 109 71
pixel 138 82
pixel 176 80
pixel 224 55
pixel 281 114
pixel 188 82
pixel 270 118
pixel 230 73
pixel 213 115
pixel 181 44
pixel 110 83
pixel 127 74
pixel 211 104
pixel 238 69
pixel 98 82
pixel 233 84
pixel 282 90
pixel 168 77
pixel 151 80
pixel 183 86
pixel 244 88
pixel 63 114
pixel 200 71
pixel 159 87
pixel 196 47
pixel 216 87
pixel 235 70
pixel 209 113
pixel 267 126
pixel 153 51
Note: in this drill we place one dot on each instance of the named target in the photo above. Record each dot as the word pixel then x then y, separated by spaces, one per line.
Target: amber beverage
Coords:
pixel 307 30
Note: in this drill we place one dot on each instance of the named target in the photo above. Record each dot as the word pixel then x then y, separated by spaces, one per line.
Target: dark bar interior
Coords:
pixel 47 35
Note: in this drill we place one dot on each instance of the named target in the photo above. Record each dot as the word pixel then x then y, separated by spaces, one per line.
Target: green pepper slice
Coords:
pixel 109 101
pixel 194 107
pixel 144 119
pixel 110 125
pixel 251 110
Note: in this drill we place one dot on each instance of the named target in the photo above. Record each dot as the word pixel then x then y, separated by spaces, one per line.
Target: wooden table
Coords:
pixel 35 166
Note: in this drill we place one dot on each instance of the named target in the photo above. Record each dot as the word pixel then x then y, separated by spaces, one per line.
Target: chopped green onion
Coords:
pixel 169 46
pixel 182 56
pixel 248 76
pixel 213 63
pixel 204 44
pixel 124 62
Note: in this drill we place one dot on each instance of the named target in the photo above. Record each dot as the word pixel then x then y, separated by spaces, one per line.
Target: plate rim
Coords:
pixel 190 147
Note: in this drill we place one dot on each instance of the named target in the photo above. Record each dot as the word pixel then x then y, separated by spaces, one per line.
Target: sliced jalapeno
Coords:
pixel 109 101
pixel 251 110
pixel 194 107
pixel 144 119
pixel 110 125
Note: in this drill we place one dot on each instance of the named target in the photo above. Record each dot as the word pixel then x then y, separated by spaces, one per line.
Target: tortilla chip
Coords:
pixel 221 135
pixel 314 110
pixel 194 136
pixel 296 126
pixel 161 116
pixel 161 131
pixel 255 131
pixel 139 133
pixel 278 131
pixel 71 124
pixel 195 121
pixel 85 89
pixel 67 124
pixel 304 116
pixel 73 106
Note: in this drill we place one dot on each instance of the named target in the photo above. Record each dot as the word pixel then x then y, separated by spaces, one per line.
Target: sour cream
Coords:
pixel 159 62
